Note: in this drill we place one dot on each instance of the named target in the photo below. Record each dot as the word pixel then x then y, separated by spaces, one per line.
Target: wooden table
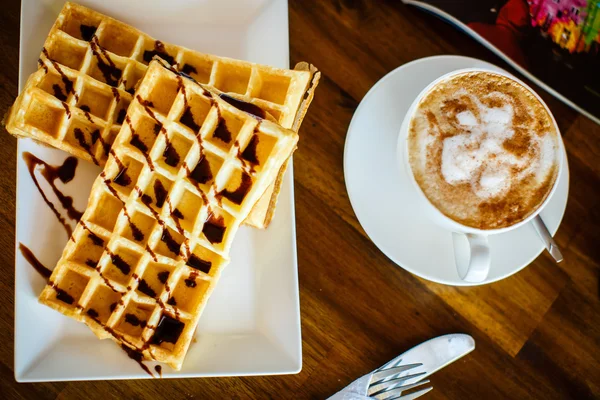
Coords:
pixel 537 333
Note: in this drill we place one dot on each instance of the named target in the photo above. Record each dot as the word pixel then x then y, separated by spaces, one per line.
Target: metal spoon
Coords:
pixel 546 237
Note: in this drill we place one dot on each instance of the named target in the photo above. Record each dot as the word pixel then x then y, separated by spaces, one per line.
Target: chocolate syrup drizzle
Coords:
pixel 137 356
pixel 152 253
pixel 187 118
pixel 96 240
pixel 166 237
pixel 51 173
pixel 116 94
pixel 58 93
pixel 80 136
pixel 196 262
pixel 122 179
pixel 136 232
pixel 249 153
pixel 65 79
pixel 67 109
pixel 65 173
pixel 43 65
pixel 159 50
pixel 105 146
pixel 87 32
pixel 34 262
pixel 168 329
pixel 109 70
pixel 188 69
pixel 214 228
pixel 250 108
pixel 61 294
pixel 170 154
pixel 137 142
pixel 221 131
pixel 237 196
pixel 86 112
pixel 248 166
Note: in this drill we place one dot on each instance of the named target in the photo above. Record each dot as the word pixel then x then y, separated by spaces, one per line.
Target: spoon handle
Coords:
pixel 546 237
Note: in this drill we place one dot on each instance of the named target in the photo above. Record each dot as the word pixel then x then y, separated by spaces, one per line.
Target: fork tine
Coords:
pixel 391 384
pixel 394 393
pixel 394 362
pixel 414 395
pixel 378 377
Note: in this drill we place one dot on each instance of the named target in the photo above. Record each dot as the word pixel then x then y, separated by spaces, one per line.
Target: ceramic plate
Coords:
pixel 251 325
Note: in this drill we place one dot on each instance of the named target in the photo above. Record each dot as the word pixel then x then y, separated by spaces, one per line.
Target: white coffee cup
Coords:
pixel 480 258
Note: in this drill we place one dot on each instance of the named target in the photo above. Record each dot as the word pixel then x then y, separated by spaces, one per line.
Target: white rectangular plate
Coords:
pixel 251 325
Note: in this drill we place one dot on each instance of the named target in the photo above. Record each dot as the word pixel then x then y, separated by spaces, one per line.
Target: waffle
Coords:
pixel 89 68
pixel 181 176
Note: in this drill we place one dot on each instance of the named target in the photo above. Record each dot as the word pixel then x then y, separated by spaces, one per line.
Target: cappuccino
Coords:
pixel 483 149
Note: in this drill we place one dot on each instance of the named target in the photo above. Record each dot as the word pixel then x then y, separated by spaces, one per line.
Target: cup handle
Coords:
pixel 479 261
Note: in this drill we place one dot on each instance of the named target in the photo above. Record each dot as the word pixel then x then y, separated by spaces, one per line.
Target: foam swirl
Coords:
pixel 483 149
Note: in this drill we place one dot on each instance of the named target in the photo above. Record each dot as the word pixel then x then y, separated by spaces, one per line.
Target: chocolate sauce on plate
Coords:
pixel 34 262
pixel 136 356
pixel 51 173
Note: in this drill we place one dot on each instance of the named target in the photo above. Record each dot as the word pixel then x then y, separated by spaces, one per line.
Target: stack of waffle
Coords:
pixel 90 66
pixel 192 146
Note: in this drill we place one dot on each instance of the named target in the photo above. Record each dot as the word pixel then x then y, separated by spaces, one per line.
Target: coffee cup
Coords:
pixel 490 166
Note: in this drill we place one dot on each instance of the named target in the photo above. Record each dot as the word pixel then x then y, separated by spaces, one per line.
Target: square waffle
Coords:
pixel 181 176
pixel 89 69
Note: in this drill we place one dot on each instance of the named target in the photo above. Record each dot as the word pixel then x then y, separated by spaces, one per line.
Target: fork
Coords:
pixel 391 380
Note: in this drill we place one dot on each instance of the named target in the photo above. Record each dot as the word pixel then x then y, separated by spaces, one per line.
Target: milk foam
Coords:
pixel 483 149
pixel 478 157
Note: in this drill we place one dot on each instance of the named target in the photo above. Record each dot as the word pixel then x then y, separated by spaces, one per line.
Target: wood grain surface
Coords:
pixel 537 333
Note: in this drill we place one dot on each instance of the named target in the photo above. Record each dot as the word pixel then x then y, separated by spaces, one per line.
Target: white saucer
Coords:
pixel 379 192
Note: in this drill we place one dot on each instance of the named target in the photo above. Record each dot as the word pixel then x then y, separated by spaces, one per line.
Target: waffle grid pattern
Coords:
pixel 183 174
pixel 89 69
